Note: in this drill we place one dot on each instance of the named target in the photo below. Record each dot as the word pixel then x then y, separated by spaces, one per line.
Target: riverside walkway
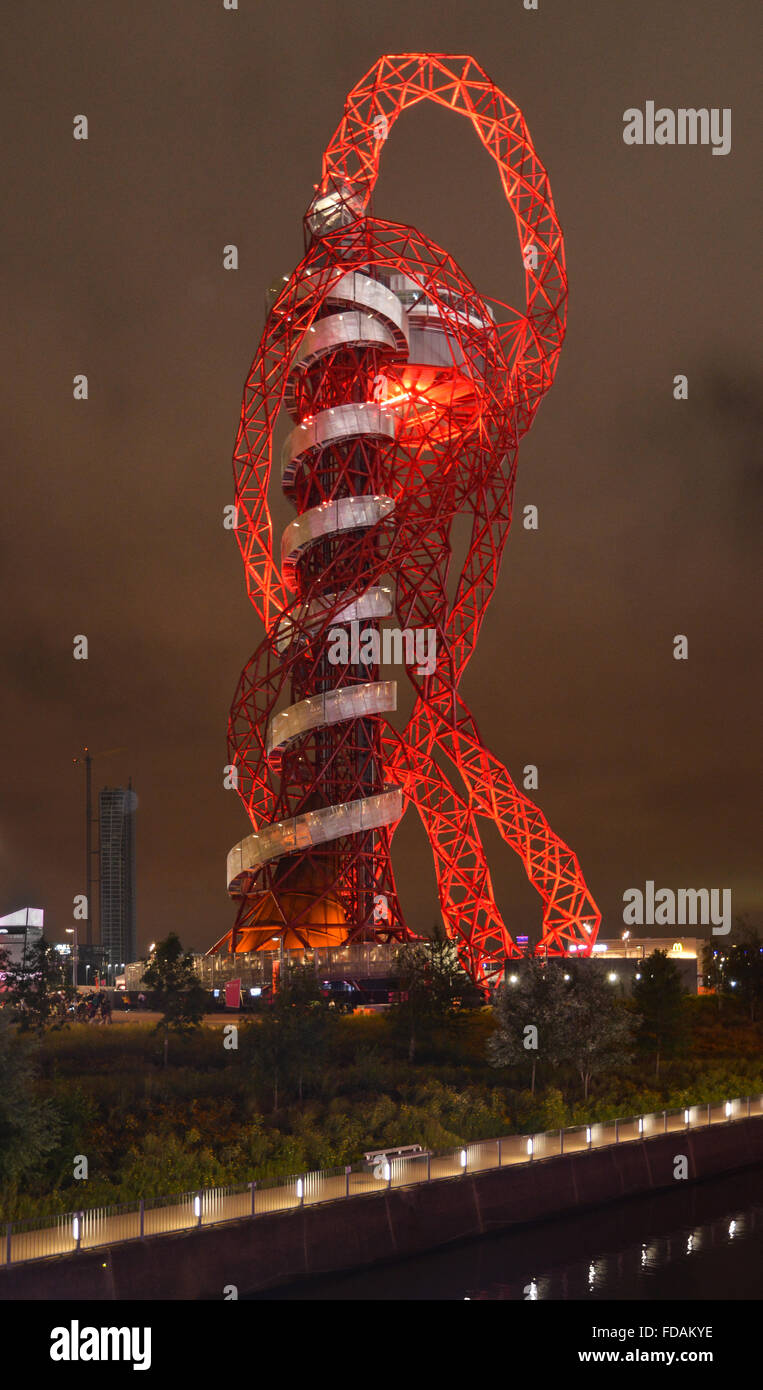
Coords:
pixel 86 1229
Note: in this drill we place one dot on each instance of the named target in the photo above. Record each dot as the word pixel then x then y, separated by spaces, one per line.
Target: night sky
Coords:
pixel 207 127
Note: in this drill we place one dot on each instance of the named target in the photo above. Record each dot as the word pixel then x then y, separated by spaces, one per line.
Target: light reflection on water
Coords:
pixel 699 1241
pixel 631 1272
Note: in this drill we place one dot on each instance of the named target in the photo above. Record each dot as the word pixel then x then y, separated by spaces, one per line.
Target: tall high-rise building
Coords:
pixel 117 825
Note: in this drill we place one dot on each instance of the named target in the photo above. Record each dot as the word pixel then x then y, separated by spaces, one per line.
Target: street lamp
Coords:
pixel 72 931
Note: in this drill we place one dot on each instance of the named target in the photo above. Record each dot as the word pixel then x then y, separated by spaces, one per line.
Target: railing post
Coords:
pixel 664 1121
pixel 80 1220
pixel 499 1153
pixel 347 1180
pixel 252 1189
pixel 198 1199
pixel 142 1217
pixel 389 1179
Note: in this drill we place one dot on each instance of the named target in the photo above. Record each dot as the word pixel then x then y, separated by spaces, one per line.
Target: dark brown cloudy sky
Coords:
pixel 207 127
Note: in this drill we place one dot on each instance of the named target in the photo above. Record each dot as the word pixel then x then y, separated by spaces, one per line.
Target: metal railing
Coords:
pixel 37 1239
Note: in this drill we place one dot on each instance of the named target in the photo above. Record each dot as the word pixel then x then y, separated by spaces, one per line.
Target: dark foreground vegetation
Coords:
pixel 155 1112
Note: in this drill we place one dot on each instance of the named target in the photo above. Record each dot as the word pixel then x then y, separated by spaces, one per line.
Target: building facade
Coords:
pixel 116 807
pixel 20 932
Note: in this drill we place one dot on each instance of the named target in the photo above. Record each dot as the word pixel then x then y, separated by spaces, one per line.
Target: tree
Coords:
pixel 38 987
pixel 736 970
pixel 29 1126
pixel 172 979
pixel 289 1043
pixel 598 1028
pixel 530 1019
pixel 433 987
pixel 659 998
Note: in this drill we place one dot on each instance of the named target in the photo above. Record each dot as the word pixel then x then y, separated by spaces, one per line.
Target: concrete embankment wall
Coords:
pixel 271 1250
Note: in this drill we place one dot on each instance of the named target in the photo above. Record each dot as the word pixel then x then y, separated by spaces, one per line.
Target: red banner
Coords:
pixel 233 994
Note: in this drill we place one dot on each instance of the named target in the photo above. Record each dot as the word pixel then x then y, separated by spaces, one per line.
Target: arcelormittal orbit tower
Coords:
pixel 406 393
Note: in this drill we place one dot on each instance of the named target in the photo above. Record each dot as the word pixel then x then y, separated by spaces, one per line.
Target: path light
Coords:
pixel 462 1158
pixel 197 1206
pixel 530 1147
pixel 612 977
pixel 513 979
pixel 75 1229
pixel 728 1109
pixel 686 1117
pixel 300 1189
pixel 588 1135
pixel 641 1126
pixel 732 1228
pixel 386 1172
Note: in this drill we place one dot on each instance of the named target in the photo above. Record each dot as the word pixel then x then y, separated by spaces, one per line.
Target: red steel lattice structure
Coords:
pixel 408 393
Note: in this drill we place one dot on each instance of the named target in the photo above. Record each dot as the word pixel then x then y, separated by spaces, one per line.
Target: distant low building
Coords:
pixel 133 976
pixel 627 953
pixel 20 932
pixel 684 951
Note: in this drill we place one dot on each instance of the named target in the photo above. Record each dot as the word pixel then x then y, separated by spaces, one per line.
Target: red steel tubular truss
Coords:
pixel 408 393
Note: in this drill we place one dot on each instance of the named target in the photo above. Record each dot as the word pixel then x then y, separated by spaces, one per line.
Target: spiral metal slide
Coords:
pixel 407 394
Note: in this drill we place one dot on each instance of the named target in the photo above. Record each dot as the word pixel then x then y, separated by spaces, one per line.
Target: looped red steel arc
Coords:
pixel 408 392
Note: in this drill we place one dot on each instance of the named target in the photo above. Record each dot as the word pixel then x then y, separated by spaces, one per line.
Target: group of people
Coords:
pixel 93 1008
pixel 87 1008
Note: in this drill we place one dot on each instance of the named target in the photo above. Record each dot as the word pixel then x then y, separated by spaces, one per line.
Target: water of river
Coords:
pixel 699 1241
